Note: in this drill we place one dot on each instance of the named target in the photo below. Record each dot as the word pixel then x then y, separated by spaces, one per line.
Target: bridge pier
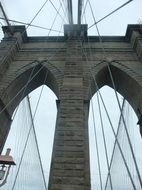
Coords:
pixel 70 160
pixel 69 77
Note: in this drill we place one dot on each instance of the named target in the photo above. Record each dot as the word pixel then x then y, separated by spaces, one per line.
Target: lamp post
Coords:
pixel 6 161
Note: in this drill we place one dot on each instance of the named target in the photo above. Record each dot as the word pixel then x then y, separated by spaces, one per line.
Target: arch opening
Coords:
pixel 30 78
pixel 126 83
pixel 118 172
pixel 26 79
pixel 44 124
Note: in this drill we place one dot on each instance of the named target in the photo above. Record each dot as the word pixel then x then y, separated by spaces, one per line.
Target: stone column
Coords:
pixel 8 48
pixel 5 122
pixel 70 160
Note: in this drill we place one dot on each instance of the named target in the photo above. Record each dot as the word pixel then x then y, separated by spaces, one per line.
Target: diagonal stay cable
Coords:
pixel 38 13
pixel 96 22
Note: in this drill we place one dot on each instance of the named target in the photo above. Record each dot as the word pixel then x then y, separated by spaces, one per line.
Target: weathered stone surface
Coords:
pixel 72 65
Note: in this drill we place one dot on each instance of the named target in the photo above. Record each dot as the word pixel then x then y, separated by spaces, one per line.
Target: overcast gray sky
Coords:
pixel 25 10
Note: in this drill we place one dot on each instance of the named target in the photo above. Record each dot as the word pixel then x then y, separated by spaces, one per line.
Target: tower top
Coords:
pixel 75 30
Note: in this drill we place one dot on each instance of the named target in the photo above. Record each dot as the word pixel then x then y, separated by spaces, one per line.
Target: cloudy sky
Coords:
pixel 116 24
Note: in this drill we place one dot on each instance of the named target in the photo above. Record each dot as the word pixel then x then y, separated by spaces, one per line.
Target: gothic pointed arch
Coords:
pixel 27 79
pixel 126 82
pixel 16 84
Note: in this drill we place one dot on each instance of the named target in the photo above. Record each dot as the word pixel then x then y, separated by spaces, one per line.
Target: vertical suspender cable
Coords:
pixel 79 11
pixel 70 14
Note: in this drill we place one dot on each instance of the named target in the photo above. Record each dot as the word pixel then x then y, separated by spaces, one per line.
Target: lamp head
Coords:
pixel 7 159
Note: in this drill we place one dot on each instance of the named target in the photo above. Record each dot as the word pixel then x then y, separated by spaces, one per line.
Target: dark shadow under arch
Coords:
pixel 23 85
pixel 126 84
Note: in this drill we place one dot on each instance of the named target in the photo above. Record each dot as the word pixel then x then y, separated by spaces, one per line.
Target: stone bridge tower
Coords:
pixel 72 63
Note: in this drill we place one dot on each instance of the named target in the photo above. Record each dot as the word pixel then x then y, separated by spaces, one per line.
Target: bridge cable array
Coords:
pixel 28 171
pixel 118 145
pixel 122 117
